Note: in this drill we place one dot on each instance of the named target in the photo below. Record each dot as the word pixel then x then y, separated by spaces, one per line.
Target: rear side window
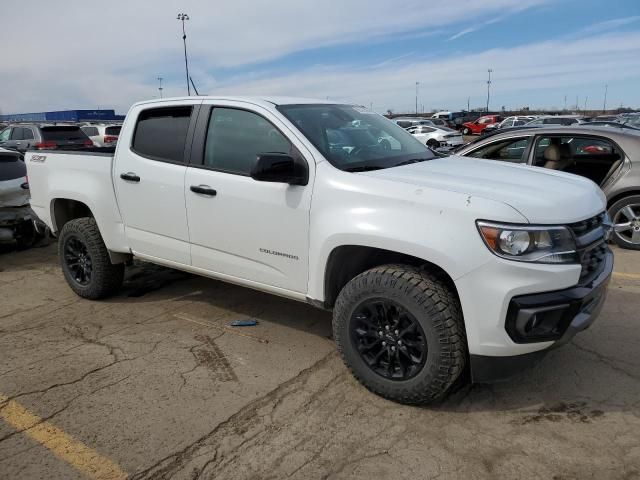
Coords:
pixel 161 133
pixel 27 134
pixel 91 131
pixel 112 130
pixel 63 133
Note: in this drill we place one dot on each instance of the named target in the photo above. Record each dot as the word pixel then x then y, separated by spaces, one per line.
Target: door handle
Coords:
pixel 130 177
pixel 204 190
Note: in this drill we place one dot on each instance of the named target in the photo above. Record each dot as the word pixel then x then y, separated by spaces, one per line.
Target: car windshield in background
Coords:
pixel 57 134
pixel 354 139
pixel 112 130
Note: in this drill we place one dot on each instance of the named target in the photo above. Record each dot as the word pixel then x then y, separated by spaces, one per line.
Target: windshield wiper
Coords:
pixel 413 160
pixel 362 168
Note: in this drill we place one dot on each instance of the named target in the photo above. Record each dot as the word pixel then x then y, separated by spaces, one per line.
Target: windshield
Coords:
pixel 354 139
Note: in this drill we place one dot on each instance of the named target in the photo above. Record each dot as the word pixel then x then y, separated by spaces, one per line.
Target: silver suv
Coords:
pixel 610 157
pixel 26 136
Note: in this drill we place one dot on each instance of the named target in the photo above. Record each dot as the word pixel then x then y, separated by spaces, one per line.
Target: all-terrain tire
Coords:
pixel 623 239
pixel 106 278
pixel 436 308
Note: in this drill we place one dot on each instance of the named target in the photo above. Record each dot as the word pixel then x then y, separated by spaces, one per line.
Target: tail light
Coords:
pixel 25 185
pixel 88 143
pixel 46 145
pixel 110 139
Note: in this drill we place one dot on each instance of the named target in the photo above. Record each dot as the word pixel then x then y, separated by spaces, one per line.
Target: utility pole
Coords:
pixel 417 85
pixel 565 102
pixel 585 102
pixel 160 86
pixel 604 107
pixel 577 104
pixel 468 102
pixel 489 88
pixel 183 17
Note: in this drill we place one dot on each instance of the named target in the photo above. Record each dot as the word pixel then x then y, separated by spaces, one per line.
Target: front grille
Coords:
pixel 593 261
pixel 586 226
pixel 592 248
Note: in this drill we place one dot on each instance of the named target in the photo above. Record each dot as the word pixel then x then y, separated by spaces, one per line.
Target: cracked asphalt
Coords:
pixel 157 382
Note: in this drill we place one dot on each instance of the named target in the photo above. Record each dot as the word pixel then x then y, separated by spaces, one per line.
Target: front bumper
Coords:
pixel 562 314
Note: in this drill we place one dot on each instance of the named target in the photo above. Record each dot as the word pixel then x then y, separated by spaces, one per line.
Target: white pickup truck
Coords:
pixel 432 266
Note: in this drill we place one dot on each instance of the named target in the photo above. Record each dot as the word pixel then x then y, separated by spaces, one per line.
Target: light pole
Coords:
pixel 417 85
pixel 489 89
pixel 604 107
pixel 160 86
pixel 183 17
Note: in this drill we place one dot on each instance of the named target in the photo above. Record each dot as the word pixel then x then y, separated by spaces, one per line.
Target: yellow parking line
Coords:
pixel 630 276
pixel 61 444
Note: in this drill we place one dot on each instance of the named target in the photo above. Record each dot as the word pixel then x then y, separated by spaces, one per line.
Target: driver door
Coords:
pixel 257 232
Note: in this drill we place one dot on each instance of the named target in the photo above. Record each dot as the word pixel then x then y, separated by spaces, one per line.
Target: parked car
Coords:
pixel 406 122
pixel 557 120
pixel 22 137
pixel 515 121
pixel 604 155
pixel 102 135
pixel 429 264
pixel 476 127
pixel 441 122
pixel 16 217
pixel 435 137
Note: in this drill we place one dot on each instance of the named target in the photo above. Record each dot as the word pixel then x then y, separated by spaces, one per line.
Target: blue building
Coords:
pixel 65 116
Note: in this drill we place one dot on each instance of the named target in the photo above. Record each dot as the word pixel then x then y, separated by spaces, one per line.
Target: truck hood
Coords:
pixel 541 195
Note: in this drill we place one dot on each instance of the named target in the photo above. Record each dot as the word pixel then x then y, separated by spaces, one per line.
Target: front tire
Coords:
pixel 400 331
pixel 85 260
pixel 466 131
pixel 625 215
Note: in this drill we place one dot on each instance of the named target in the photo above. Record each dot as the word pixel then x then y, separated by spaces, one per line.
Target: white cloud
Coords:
pixel 520 72
pixel 82 54
pixel 79 55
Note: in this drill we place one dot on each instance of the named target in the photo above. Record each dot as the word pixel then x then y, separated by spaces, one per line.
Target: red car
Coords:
pixel 476 128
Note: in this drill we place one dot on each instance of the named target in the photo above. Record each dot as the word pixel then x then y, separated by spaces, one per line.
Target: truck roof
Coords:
pixel 260 100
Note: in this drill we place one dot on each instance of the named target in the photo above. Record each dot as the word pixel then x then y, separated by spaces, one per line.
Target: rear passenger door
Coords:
pixel 242 228
pixel 149 176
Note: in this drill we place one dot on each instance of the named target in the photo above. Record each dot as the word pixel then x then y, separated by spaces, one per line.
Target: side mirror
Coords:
pixel 279 168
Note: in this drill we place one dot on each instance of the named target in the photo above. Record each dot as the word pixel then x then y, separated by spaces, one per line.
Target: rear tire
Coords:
pixel 412 296
pixel 431 143
pixel 85 260
pixel 625 215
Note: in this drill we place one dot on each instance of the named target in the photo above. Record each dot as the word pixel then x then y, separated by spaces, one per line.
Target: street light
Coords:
pixel 160 86
pixel 417 85
pixel 488 88
pixel 183 17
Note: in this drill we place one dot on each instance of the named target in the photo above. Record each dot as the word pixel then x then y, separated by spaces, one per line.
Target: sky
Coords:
pixel 70 54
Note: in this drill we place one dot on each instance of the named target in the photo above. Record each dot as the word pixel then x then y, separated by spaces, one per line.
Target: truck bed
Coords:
pixel 76 176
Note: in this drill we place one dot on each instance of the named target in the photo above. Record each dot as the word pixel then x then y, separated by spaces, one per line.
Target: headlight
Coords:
pixel 526 243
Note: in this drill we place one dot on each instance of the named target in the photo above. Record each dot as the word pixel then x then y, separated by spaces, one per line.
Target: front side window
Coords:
pixel 368 141
pixel 5 135
pixel 161 133
pixel 510 150
pixel 235 138
pixel 17 133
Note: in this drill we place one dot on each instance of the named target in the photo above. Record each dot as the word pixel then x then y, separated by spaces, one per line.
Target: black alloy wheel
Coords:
pixel 78 260
pixel 388 338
